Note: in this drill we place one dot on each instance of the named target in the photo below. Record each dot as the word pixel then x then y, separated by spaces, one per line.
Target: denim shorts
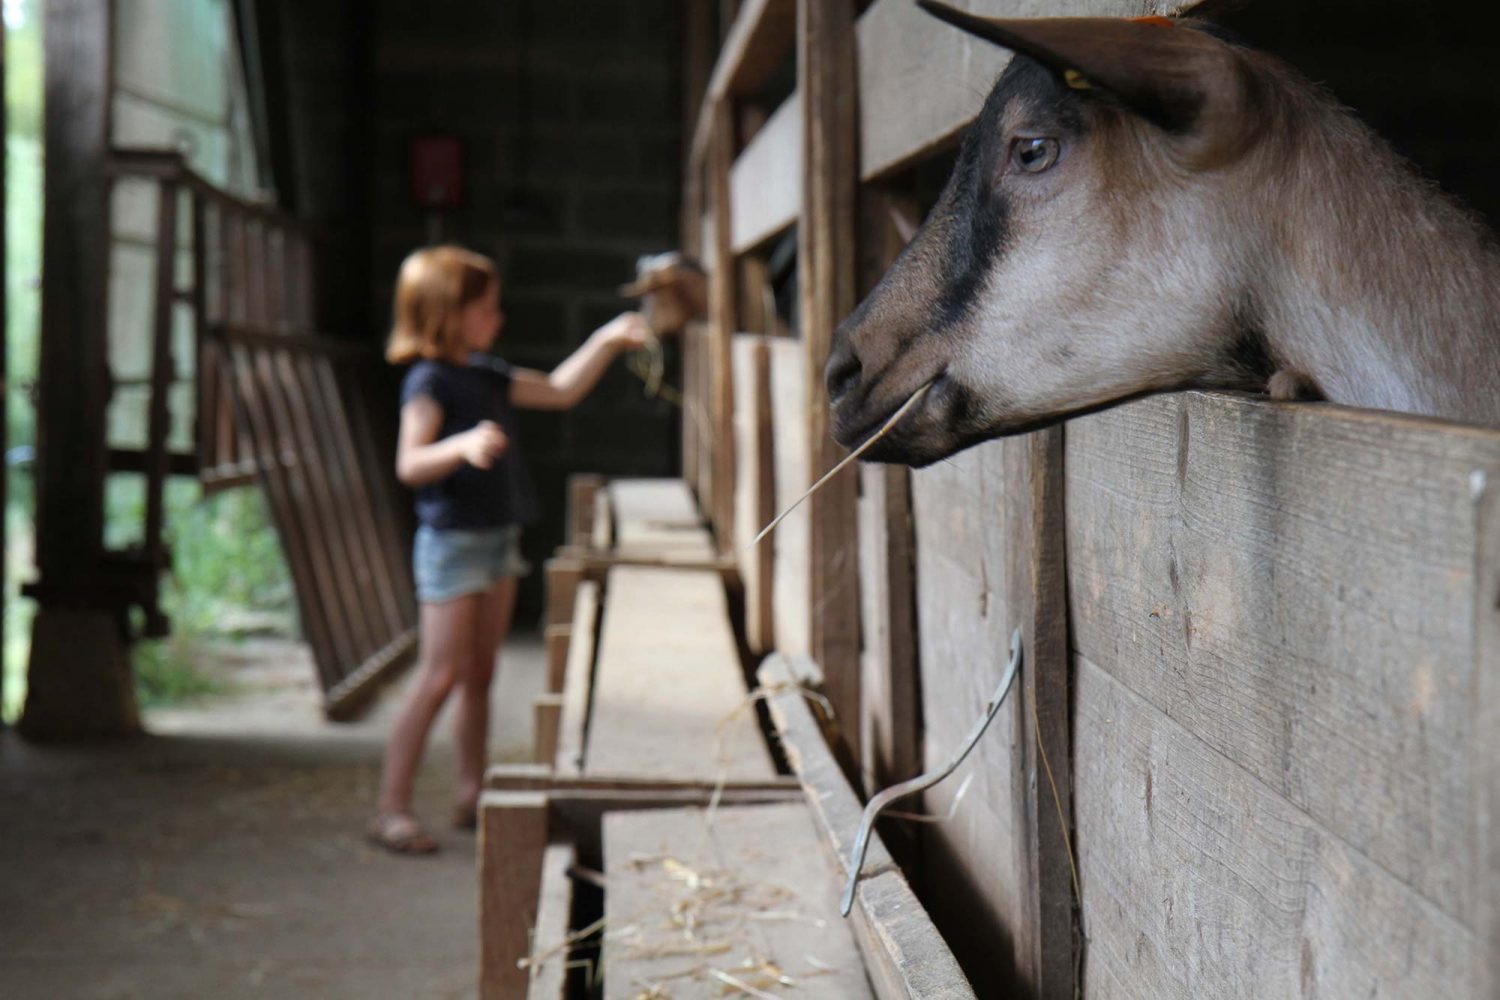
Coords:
pixel 453 563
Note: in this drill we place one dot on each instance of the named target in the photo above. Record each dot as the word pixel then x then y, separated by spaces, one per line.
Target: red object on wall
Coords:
pixel 437 171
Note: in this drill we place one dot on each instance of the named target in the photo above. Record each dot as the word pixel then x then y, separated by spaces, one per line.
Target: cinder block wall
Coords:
pixel 569 112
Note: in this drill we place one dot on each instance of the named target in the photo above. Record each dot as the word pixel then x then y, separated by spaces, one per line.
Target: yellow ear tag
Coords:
pixel 1076 80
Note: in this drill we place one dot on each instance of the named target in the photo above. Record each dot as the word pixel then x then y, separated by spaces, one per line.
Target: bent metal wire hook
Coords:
pixel 921 782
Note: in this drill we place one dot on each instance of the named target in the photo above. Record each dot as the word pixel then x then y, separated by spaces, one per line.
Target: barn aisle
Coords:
pixel 223 855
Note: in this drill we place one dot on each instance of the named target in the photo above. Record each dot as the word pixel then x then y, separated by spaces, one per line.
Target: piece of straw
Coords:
pixel 885 429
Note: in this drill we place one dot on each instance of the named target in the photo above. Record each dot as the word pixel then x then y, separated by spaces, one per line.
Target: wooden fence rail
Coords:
pixel 1252 750
pixel 278 405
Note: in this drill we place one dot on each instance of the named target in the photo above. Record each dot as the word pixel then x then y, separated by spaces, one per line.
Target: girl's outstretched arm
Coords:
pixel 422 459
pixel 570 381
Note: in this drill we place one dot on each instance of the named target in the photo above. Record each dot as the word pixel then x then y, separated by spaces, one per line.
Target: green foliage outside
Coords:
pixel 228 576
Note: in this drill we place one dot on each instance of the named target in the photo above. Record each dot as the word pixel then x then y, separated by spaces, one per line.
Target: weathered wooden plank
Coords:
pixel 826 265
pixel 356 494
pixel 541 778
pixel 890 717
pixel 790 596
pixel 546 716
pixel 583 489
pixel 765 185
pixel 669 694
pixel 1199 880
pixel 163 371
pixel 755 498
pixel 974 865
pixel 1036 593
pixel 578 680
pixel 73 383
pixel 1486 871
pixel 753 862
pixel 722 323
pixel 904 954
pixel 906 109
pixel 549 951
pixel 561 578
pixel 1294 585
pixel 759 38
pixel 555 639
pixel 512 839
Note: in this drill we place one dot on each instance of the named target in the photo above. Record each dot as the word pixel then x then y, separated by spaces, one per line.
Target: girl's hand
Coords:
pixel 485 443
pixel 627 332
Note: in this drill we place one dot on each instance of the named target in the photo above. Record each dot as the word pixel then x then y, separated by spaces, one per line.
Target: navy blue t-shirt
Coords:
pixel 473 498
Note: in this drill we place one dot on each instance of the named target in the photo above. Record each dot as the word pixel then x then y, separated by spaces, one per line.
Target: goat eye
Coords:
pixel 1032 156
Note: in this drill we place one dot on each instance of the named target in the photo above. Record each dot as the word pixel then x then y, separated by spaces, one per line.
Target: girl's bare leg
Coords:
pixel 447 631
pixel 472 725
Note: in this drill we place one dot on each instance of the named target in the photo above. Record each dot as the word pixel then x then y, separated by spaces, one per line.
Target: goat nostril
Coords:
pixel 842 374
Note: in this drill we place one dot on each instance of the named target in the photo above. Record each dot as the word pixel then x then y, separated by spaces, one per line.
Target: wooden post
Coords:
pixel 891 717
pixel 1486 729
pixel 562 577
pixel 512 839
pixel 556 638
pixel 546 710
pixel 583 492
pixel 1036 591
pixel 826 271
pixel 721 323
pixel 79 681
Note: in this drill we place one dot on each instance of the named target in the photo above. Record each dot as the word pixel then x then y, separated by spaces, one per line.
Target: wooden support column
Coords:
pixel 826 271
pixel 512 840
pixel 721 325
pixel 1036 594
pixel 79 681
pixel 891 713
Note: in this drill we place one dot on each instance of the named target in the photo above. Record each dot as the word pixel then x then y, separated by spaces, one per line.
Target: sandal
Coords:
pixel 466 816
pixel 400 833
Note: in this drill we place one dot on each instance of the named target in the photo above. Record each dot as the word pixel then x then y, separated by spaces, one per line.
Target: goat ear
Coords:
pixel 1183 80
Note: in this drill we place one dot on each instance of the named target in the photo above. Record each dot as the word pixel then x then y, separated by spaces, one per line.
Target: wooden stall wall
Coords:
pixel 1274 637
pixel 1267 740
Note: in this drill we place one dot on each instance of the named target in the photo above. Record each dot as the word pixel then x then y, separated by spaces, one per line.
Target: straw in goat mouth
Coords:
pixel 885 428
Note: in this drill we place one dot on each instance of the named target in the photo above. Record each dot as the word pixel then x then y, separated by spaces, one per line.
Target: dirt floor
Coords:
pixel 223 855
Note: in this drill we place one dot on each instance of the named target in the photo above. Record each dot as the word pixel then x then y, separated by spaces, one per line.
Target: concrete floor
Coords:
pixel 223 855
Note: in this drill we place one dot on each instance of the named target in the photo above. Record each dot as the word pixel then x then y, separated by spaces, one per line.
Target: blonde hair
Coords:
pixel 432 288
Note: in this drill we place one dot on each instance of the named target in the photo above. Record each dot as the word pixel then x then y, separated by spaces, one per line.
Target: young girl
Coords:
pixel 458 450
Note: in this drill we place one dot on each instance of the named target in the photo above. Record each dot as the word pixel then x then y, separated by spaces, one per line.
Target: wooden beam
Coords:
pixel 759 39
pixel 722 322
pixel 562 577
pixel 546 714
pixel 583 492
pixel 792 607
pixel 73 380
pixel 891 697
pixel 512 840
pixel 765 184
pixel 755 498
pixel 555 639
pixel 826 270
pixel 578 682
pixel 1036 595
pixel 79 682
